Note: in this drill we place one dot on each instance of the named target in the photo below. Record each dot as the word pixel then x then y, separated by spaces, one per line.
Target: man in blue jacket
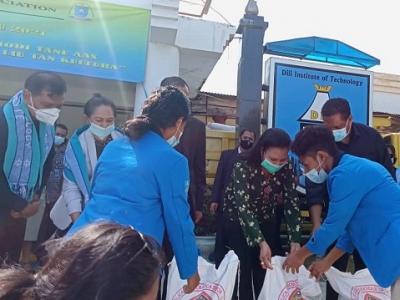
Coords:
pixel 360 191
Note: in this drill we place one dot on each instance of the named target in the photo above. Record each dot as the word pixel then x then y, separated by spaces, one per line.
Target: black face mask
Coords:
pixel 393 159
pixel 246 145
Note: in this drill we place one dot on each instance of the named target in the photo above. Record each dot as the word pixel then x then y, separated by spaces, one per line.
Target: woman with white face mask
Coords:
pixel 83 151
pixel 259 177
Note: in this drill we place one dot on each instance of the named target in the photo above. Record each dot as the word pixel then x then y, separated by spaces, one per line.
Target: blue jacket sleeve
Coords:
pixel 346 191
pixel 344 243
pixel 180 227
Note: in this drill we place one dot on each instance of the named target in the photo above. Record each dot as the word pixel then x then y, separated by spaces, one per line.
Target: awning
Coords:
pixel 322 50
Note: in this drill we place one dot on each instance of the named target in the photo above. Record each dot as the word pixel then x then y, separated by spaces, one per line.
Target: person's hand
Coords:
pixel 192 283
pixel 198 215
pixel 294 247
pixel 265 256
pixel 213 208
pixel 319 267
pixel 29 210
pixel 74 216
pixel 292 263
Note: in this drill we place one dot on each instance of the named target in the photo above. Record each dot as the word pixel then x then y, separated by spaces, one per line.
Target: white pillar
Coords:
pixel 162 61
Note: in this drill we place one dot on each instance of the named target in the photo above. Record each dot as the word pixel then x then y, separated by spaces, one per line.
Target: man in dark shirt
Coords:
pixel 54 183
pixel 36 108
pixel 192 145
pixel 222 178
pixel 352 138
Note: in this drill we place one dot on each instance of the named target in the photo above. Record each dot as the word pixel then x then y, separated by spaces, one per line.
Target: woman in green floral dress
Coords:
pixel 259 178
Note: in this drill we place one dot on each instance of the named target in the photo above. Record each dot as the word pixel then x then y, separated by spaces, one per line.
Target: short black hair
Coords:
pixel 174 81
pixel 62 126
pixel 96 101
pixel 336 106
pixel 249 130
pixel 312 139
pixel 44 80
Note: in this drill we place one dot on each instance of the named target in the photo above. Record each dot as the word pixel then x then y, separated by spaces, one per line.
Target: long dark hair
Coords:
pixel 161 110
pixel 271 138
pixel 100 262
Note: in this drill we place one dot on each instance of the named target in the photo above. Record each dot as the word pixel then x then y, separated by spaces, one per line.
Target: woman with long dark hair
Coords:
pixel 100 262
pixel 259 177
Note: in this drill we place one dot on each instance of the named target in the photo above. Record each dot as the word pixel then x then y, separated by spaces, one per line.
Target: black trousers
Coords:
pixel 279 216
pixel 47 227
pixel 251 273
pixel 221 244
pixel 358 261
pixel 169 255
pixel 12 233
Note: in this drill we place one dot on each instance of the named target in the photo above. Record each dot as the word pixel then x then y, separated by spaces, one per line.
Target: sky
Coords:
pixel 370 26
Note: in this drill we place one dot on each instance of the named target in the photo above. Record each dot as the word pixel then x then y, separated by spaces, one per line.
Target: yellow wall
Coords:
pixel 216 142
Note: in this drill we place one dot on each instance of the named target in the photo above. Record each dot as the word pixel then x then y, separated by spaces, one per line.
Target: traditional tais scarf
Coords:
pixel 27 150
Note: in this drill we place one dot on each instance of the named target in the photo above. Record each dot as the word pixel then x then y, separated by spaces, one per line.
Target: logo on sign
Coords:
pixel 204 291
pixel 291 291
pixel 369 292
pixel 81 12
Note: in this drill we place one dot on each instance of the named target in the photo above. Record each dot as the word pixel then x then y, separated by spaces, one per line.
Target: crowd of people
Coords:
pixel 112 206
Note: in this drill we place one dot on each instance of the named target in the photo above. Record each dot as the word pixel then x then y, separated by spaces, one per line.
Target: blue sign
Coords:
pixel 299 91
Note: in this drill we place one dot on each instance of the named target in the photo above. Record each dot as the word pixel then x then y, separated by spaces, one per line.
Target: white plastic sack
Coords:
pixel 59 214
pixel 214 284
pixel 280 285
pixel 360 286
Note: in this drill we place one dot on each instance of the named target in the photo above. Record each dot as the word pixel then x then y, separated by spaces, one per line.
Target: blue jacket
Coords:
pixel 145 184
pixel 365 212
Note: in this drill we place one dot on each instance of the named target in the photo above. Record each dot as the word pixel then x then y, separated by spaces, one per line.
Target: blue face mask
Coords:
pixel 315 176
pixel 58 140
pixel 270 167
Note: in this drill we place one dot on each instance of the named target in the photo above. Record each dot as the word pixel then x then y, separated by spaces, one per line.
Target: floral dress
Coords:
pixel 250 198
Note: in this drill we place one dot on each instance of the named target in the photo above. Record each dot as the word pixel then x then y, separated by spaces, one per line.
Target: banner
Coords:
pixel 298 90
pixel 88 38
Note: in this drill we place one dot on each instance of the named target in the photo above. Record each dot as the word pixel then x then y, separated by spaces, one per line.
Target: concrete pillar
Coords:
pixel 252 27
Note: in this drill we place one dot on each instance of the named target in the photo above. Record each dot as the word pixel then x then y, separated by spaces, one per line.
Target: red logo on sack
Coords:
pixel 369 292
pixel 204 291
pixel 291 291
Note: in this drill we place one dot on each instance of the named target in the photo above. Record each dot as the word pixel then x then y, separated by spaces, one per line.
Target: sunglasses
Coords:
pixel 150 245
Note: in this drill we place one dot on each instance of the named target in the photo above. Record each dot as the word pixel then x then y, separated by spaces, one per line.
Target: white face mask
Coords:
pixel 101 132
pixel 315 176
pixel 173 141
pixel 46 115
pixel 58 140
pixel 340 134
